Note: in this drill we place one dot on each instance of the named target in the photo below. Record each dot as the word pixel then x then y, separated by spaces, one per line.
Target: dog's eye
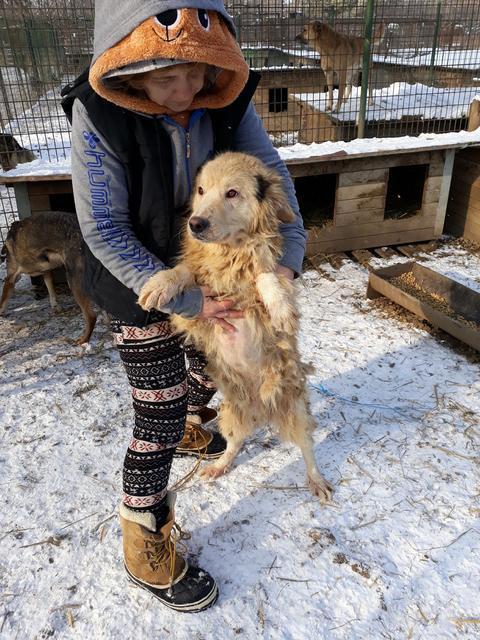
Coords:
pixel 203 19
pixel 231 193
pixel 200 191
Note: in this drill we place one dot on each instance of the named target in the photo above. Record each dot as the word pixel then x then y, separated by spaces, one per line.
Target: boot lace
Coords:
pixel 161 553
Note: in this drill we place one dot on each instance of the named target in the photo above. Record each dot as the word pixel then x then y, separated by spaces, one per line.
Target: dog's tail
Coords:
pixel 3 253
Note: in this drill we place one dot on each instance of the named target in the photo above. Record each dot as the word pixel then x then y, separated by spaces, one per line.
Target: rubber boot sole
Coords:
pixel 192 607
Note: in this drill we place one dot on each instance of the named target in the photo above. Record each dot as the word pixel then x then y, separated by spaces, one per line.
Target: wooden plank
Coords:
pixel 355 192
pixel 365 242
pixel 385 252
pixel 337 259
pixel 23 201
pixel 372 229
pixel 435 169
pixel 351 178
pixel 11 180
pixel 406 249
pixel 361 204
pixel 444 191
pixel 431 196
pixel 315 166
pixel 47 187
pixel 359 217
pixel 362 256
pixel 464 300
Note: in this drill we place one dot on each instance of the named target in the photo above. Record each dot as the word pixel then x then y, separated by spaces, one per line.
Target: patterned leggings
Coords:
pixel 163 393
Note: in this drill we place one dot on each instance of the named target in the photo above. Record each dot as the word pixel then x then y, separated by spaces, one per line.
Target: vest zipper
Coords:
pixel 187 141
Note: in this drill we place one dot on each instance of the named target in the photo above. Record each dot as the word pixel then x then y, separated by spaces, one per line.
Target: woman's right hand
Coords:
pixel 217 311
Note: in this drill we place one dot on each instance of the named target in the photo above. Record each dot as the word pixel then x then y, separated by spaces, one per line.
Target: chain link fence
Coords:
pixel 331 70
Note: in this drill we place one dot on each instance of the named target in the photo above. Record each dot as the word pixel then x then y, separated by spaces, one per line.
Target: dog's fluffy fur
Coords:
pixel 340 54
pixel 232 245
pixel 37 245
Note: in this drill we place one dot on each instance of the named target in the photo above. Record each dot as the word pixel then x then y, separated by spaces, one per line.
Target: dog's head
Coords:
pixel 311 31
pixel 236 197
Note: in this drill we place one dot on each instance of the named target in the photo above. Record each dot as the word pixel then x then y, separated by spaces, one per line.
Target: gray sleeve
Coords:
pixel 101 202
pixel 252 138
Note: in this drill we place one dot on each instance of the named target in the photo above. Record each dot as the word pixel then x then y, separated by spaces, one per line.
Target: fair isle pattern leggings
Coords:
pixel 163 391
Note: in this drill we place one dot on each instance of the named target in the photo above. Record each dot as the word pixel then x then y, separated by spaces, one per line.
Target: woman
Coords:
pixel 167 88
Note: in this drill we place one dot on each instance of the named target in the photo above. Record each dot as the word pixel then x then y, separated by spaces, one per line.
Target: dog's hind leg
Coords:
pixel 8 288
pixel 89 316
pixel 342 82
pixel 297 426
pixel 231 424
pixel 330 76
pixel 48 279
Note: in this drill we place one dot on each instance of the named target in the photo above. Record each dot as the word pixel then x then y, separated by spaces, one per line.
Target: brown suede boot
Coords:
pixel 152 562
pixel 198 441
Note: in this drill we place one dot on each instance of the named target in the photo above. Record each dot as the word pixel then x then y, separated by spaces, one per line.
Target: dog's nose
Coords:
pixel 197 224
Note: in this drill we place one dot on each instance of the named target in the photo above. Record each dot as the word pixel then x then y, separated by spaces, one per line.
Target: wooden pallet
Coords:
pixel 364 256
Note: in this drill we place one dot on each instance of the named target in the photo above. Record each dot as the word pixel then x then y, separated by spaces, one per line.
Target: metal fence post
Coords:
pixel 367 49
pixel 435 41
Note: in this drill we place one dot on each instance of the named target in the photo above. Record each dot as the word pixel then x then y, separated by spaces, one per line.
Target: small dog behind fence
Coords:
pixel 36 246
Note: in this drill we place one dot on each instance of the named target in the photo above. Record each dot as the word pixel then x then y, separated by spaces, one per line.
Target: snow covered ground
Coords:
pixel 395 556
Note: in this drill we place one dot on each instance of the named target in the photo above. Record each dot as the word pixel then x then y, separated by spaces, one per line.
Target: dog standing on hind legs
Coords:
pixel 37 245
pixel 232 246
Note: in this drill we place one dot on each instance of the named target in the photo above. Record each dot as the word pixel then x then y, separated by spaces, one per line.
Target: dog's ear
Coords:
pixel 273 192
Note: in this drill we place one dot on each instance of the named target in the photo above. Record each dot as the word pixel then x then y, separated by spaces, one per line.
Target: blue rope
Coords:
pixel 319 387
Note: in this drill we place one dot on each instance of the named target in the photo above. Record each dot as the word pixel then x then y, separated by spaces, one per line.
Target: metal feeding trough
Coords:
pixel 445 303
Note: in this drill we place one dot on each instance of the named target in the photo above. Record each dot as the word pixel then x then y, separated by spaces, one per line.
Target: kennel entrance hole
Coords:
pixel 316 197
pixel 405 191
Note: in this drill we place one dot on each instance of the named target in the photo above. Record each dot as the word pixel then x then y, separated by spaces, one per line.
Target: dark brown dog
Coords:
pixel 37 245
pixel 12 153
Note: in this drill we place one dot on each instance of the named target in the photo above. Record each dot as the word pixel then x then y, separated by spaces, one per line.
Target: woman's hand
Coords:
pixel 217 311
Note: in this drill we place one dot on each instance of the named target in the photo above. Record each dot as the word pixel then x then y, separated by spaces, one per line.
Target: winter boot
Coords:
pixel 198 441
pixel 152 561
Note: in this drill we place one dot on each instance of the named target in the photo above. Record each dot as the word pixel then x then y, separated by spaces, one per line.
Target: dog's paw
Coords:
pixel 320 488
pixel 160 289
pixel 212 472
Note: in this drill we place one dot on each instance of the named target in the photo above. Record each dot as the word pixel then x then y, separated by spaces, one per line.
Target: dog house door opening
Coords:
pixel 405 191
pixel 316 197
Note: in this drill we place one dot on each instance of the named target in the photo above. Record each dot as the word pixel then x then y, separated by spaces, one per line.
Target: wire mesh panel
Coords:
pixel 331 70
pixel 424 66
pixel 44 45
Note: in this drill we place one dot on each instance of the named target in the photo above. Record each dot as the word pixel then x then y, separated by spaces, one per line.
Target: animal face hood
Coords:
pixel 136 33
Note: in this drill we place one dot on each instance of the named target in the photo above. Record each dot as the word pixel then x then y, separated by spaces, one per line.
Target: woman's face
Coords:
pixel 175 87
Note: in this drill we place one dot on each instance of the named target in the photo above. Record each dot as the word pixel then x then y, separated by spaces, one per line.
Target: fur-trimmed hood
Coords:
pixel 129 32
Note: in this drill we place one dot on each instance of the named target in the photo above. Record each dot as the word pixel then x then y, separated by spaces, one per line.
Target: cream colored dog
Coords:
pixel 232 246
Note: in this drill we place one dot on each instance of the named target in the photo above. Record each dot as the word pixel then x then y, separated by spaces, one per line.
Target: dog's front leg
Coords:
pixel 330 76
pixel 277 299
pixel 164 286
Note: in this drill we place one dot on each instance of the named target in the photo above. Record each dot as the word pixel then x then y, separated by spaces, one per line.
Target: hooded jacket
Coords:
pixel 133 164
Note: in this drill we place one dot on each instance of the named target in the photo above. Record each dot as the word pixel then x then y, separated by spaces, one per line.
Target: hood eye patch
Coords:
pixel 169 19
pixel 203 19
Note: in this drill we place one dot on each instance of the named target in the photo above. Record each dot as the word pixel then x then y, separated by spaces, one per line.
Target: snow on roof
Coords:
pixel 353 148
pixel 449 58
pixel 377 146
pixel 399 100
